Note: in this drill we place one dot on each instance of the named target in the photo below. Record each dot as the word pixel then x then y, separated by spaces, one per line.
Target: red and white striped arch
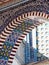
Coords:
pixel 13 25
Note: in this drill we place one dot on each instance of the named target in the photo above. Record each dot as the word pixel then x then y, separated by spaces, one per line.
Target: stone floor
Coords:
pixel 46 62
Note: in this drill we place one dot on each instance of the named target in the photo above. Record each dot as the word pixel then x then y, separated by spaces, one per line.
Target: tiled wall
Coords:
pixel 12 38
pixel 43 41
pixel 36 42
pixel 8 15
pixel 39 44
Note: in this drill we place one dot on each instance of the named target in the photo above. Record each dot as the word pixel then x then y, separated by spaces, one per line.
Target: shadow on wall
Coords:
pixel 35 57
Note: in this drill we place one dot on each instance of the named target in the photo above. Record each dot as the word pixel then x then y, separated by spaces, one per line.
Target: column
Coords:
pixel 27 49
pixel 34 44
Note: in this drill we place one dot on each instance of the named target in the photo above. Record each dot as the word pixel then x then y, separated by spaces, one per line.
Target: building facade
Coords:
pixel 24 31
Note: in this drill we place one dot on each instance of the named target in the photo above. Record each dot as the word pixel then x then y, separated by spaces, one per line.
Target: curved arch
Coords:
pixel 13 25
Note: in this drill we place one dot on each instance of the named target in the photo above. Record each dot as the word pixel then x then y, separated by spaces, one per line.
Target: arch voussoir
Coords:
pixel 13 25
